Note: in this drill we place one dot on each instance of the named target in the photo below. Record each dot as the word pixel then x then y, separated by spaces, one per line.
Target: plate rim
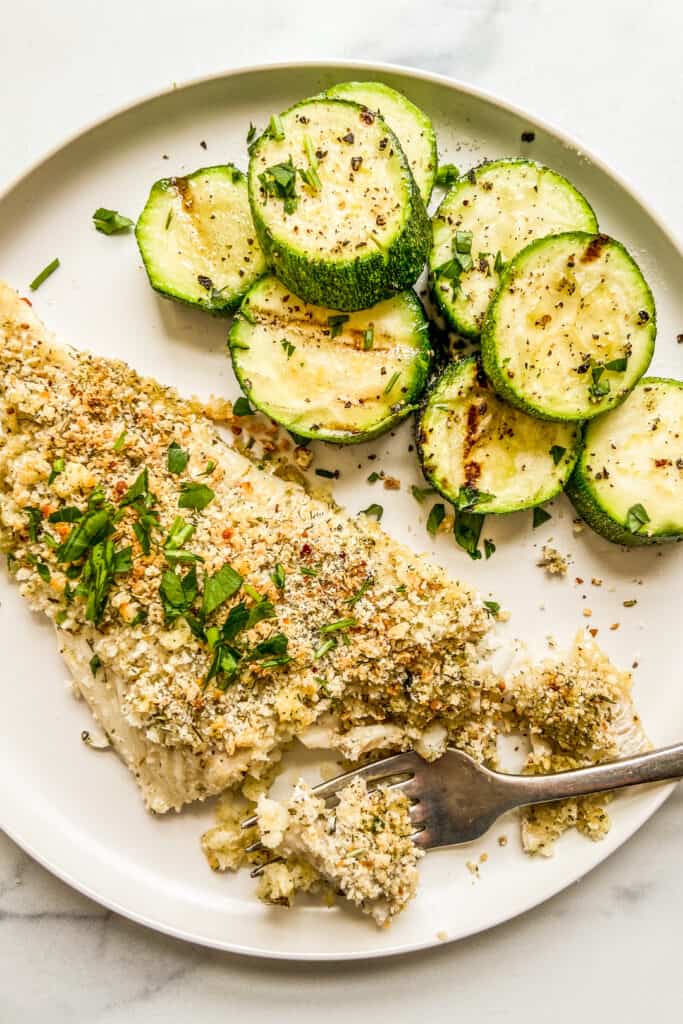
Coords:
pixel 658 795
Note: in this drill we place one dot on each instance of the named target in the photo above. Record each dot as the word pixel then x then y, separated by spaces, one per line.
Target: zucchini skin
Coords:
pixel 463 327
pixel 586 502
pixel 352 90
pixel 361 281
pixel 421 367
pixel 495 371
pixel 222 307
pixel 496 507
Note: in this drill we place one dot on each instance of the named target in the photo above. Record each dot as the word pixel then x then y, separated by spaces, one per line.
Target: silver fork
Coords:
pixel 455 800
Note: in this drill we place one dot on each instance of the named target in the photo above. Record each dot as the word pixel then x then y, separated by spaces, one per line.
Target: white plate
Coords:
pixel 78 812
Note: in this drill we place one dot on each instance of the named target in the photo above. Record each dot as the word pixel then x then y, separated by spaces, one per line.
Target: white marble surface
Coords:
pixel 607 71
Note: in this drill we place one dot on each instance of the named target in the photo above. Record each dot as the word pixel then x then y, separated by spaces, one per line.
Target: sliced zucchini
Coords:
pixel 198 241
pixel 628 482
pixel 328 375
pixel 491 213
pixel 571 328
pixel 481 453
pixel 410 124
pixel 336 207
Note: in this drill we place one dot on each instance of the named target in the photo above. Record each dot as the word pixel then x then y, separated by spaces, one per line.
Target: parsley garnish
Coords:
pixel 178 593
pixel 392 380
pixel 195 496
pixel 251 133
pixel 279 181
pixel 242 407
pixel 617 365
pixel 276 128
pixel 178 536
pixel 334 627
pixel 329 474
pixel 467 531
pixel 489 547
pixel 336 322
pixel 102 564
pixel 446 175
pixel 492 607
pixel 95 663
pixel 57 468
pixel 209 468
pixel 420 493
pixel 470 497
pixel 499 263
pixel 219 588
pixel 120 441
pixel 111 222
pixel 636 518
pixel 368 339
pixel 43 275
pixel 92 528
pixel 435 519
pixel 139 489
pixel 373 478
pixel 305 571
pixel 463 242
pixel 600 385
pixel 363 589
pixel 35 521
pixel 176 458
pixel 310 175
pixel 325 647
pixel 539 516
pixel 557 452
pixel 288 347
pixel 278 576
pixel 373 510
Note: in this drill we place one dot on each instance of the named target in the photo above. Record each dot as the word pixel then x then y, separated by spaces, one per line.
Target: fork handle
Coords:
pixel 656 766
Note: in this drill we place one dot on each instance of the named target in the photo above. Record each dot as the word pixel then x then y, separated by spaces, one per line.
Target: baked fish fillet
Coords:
pixel 382 648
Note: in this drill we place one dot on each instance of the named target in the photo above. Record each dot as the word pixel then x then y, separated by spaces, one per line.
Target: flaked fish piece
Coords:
pixel 579 711
pixel 362 847
pixel 360 627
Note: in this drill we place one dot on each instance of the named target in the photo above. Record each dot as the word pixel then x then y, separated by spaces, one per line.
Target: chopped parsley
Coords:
pixel 219 588
pixel 329 474
pixel 44 274
pixel 420 493
pixel 276 129
pixel 176 458
pixel 305 571
pixel 178 593
pixel 362 590
pixel 373 478
pixel 463 242
pixel 446 175
pixel 492 607
pixel 279 576
pixel 195 496
pixel 102 564
pixel 489 547
pixel 35 522
pixel 617 365
pixel 600 385
pixel 557 452
pixel 373 510
pixel 57 468
pixel 336 322
pixel 279 181
pixel 174 545
pixel 334 627
pixel 310 175
pixel 539 516
pixel 120 441
pixel 251 133
pixel 95 664
pixel 467 531
pixel 242 407
pixel 288 347
pixel 368 339
pixel 435 519
pixel 499 263
pixel 392 381
pixel 111 222
pixel 470 497
pixel 325 647
pixel 636 518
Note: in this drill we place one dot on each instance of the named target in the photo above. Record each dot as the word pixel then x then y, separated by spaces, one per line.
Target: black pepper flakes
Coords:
pixel 528 136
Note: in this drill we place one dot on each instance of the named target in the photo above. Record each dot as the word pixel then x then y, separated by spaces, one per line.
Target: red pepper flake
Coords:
pixel 306 550
pixel 29 303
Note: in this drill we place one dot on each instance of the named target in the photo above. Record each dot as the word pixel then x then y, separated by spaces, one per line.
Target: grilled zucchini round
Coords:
pixel 327 375
pixel 411 125
pixel 335 205
pixel 491 213
pixel 198 241
pixel 571 328
pixel 628 482
pixel 483 454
